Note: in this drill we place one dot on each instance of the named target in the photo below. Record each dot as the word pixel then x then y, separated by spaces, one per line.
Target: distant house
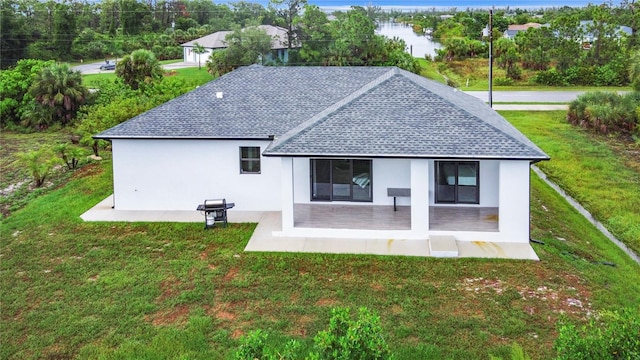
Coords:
pixel 589 34
pixel 514 29
pixel 217 41
pixel 308 143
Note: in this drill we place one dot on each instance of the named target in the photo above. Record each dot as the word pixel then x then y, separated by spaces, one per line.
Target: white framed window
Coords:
pixel 250 160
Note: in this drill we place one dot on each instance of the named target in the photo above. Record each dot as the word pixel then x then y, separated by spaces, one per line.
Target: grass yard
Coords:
pixel 190 74
pixel 140 290
pixel 603 174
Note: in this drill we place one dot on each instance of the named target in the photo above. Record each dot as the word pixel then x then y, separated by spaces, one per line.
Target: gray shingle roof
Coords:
pixel 217 40
pixel 336 111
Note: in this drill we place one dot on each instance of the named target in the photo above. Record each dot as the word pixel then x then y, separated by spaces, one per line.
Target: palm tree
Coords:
pixel 138 68
pixel 199 50
pixel 634 71
pixel 59 89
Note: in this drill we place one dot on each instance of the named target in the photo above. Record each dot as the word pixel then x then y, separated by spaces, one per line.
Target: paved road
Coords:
pixel 94 68
pixel 528 96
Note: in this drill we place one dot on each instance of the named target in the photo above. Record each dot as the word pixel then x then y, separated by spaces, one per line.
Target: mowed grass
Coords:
pixel 190 75
pixel 603 174
pixel 71 289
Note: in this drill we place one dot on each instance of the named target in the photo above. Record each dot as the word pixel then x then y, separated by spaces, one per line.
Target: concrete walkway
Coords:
pixel 531 107
pixel 264 239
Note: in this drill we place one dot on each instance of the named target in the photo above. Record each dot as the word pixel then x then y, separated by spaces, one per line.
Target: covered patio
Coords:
pixel 382 217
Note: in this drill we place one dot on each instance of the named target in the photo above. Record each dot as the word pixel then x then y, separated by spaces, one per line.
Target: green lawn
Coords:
pixel 190 74
pixel 602 174
pixel 166 290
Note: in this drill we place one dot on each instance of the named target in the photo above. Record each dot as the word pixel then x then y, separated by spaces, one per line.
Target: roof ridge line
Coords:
pixel 331 109
pixel 518 136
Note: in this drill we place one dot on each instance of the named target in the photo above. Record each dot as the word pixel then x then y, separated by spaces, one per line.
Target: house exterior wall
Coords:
pixel 180 174
pixel 386 173
pixel 191 57
pixel 514 196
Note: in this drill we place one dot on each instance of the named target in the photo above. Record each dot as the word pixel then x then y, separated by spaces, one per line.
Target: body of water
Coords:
pixel 417 45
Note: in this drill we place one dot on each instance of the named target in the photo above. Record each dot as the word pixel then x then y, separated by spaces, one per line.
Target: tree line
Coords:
pixel 573 46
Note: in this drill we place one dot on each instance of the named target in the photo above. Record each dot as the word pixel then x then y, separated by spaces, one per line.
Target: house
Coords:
pixel 338 143
pixel 590 33
pixel 217 41
pixel 514 29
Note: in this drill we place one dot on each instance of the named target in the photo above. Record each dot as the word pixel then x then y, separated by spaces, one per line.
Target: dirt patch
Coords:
pixel 377 287
pixel 169 289
pixel 300 325
pixel 236 334
pixel 231 274
pixel 573 298
pixel 326 302
pixel 176 315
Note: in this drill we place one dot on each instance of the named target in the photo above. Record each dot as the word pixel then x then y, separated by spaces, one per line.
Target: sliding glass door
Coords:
pixel 341 180
pixel 457 182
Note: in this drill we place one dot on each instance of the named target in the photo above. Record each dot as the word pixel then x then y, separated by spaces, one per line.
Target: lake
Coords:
pixel 417 45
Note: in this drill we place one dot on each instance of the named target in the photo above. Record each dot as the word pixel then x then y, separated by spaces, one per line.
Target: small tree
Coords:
pixel 138 68
pixel 199 49
pixel 70 154
pixel 39 163
pixel 59 89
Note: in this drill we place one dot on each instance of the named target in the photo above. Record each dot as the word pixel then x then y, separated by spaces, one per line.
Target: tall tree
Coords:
pixel 634 71
pixel 59 89
pixel 287 13
pixel 246 46
pixel 64 31
pixel 132 16
pixel 13 35
pixel 140 67
pixel 355 30
pixel 315 35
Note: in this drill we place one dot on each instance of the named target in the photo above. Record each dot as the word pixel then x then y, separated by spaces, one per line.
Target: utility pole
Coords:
pixel 490 58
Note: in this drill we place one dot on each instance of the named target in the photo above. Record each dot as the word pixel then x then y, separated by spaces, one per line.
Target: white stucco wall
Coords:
pixel 180 174
pixel 387 173
pixel 514 196
pixel 191 57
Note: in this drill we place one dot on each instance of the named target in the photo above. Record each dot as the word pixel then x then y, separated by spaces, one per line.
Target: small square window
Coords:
pixel 250 160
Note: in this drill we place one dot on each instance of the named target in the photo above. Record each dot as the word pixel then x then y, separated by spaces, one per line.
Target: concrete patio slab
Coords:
pixel 104 211
pixel 481 249
pixel 267 236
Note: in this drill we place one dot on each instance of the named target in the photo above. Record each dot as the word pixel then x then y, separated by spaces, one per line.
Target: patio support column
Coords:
pixel 513 211
pixel 287 194
pixel 420 198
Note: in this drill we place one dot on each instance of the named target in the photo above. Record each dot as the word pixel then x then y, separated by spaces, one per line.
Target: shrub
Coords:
pixel 39 163
pixel 517 353
pixel 549 77
pixel 252 346
pixel 605 112
pixel 503 81
pixel 351 339
pixel 611 335
pixel 579 75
